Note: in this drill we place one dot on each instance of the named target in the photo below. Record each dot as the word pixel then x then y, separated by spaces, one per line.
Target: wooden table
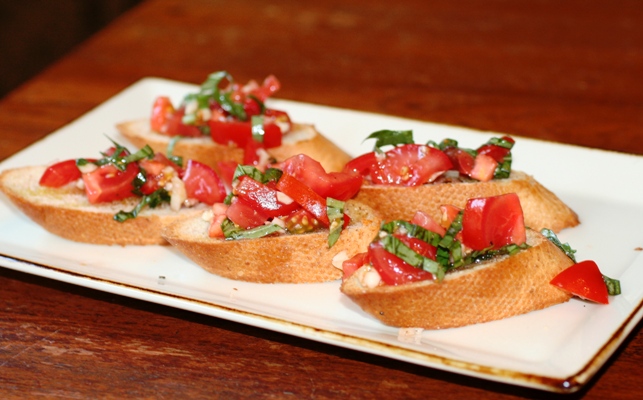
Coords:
pixel 562 71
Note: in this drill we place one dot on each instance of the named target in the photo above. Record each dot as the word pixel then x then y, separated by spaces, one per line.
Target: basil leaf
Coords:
pixel 407 228
pixel 613 286
pixel 152 200
pixel 395 246
pixel 234 232
pixel 257 128
pixel 335 212
pixel 565 248
pixel 391 137
pixel 210 88
pixel 271 174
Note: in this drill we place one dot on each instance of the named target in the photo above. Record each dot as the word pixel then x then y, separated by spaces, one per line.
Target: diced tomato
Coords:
pixel 338 185
pixel 425 221
pixel 154 172
pixel 226 171
pixel 304 196
pixel 161 111
pixel 215 230
pixel 584 280
pixel 483 168
pixel 362 164
pixel 462 161
pixel 263 198
pixel 202 183
pixel 419 246
pixel 244 215
pixel 392 269
pixel 176 127
pixel 493 222
pixel 107 183
pixel 301 221
pixel 449 212
pixel 354 263
pixel 410 165
pixel 240 133
pixel 60 174
pixel 498 153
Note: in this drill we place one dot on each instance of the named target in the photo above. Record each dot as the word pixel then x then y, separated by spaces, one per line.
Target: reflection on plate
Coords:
pixel 556 349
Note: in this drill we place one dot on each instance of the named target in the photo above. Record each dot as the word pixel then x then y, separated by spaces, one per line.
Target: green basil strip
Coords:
pixel 613 286
pixel 271 174
pixel 210 88
pixel 503 170
pixel 449 249
pixel 391 137
pixel 178 160
pixel 395 246
pixel 483 255
pixel 152 200
pixel 257 128
pixel 233 232
pixel 416 231
pixel 335 211
pixel 565 248
pixel 501 142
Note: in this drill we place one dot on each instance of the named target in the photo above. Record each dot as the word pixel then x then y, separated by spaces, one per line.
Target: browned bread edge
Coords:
pixel 285 258
pixel 488 291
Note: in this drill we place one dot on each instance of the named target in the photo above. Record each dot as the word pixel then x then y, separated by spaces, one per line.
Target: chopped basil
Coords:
pixel 257 128
pixel 233 231
pixel 613 286
pixel 210 90
pixel 566 248
pixel 449 252
pixel 170 151
pixel 152 200
pixel 413 230
pixel 335 212
pixel 271 174
pixel 391 137
pixel 395 246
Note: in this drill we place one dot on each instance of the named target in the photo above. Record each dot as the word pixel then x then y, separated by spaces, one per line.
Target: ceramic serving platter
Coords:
pixel 556 349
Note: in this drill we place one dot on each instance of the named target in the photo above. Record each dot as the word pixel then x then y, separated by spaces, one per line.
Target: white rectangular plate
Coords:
pixel 556 349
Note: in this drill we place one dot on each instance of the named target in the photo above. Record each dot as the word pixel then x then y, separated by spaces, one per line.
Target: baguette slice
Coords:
pixel 301 139
pixel 303 258
pixel 541 207
pixel 488 291
pixel 66 212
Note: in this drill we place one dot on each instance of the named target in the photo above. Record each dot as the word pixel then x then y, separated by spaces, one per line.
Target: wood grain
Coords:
pixel 562 71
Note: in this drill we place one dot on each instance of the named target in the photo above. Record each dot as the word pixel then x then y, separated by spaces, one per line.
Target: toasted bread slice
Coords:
pixel 488 291
pixel 66 212
pixel 302 139
pixel 541 207
pixel 287 258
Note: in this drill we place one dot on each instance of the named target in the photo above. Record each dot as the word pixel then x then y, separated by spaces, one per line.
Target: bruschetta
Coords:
pixel 225 122
pixel 121 198
pixel 283 225
pixel 411 176
pixel 484 266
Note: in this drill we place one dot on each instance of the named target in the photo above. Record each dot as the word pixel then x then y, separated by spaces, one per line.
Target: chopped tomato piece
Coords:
pixel 362 164
pixel 584 280
pixel 419 246
pixel 202 183
pixel 107 183
pixel 263 198
pixel 425 221
pixel 496 152
pixel 338 185
pixel 462 160
pixel 304 196
pixel 483 168
pixel 301 221
pixel 240 133
pixel 174 126
pixel 392 269
pixel 161 112
pixel 354 263
pixel 215 230
pixel 410 165
pixel 60 174
pixel 493 222
pixel 244 215
pixel 449 212
pixel 226 171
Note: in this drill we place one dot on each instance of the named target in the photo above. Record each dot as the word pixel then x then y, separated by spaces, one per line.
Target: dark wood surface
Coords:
pixel 563 71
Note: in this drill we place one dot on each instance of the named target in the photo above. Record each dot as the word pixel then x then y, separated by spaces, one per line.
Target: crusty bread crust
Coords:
pixel 66 212
pixel 541 207
pixel 485 292
pixel 286 258
pixel 302 139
